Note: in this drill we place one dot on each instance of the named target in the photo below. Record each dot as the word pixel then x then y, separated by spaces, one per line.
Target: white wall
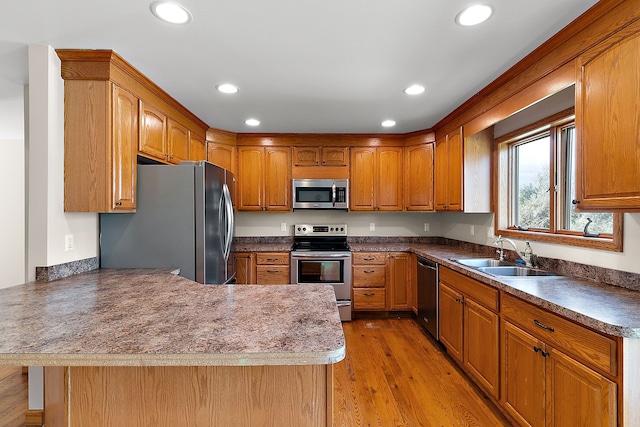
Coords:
pixel 12 214
pixel 47 222
pixel 457 226
pixel 249 224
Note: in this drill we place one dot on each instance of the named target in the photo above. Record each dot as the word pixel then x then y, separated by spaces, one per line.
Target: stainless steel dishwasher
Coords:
pixel 428 296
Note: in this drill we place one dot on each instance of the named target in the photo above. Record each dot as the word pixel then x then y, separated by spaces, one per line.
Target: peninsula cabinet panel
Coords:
pixel 153 133
pixel 178 147
pixel 222 155
pixel 418 178
pixel 448 165
pixel 607 124
pixel 101 136
pixel 264 178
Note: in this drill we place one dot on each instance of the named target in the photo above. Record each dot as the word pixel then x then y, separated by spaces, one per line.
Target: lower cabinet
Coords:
pixel 245 268
pixel 400 292
pixel 543 383
pixel 369 280
pixel 272 268
pixel 469 327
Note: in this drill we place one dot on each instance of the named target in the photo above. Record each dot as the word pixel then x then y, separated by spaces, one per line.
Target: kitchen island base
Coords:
pixel 300 395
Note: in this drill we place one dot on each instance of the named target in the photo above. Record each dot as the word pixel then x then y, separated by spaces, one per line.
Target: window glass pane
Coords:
pixel 531 183
pixel 602 222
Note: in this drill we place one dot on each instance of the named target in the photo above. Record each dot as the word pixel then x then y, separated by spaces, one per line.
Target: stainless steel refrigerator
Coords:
pixel 183 219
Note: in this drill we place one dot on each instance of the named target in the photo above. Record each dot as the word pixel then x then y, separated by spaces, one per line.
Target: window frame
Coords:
pixel 504 191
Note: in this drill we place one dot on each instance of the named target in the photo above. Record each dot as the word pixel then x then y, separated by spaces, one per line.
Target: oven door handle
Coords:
pixel 316 255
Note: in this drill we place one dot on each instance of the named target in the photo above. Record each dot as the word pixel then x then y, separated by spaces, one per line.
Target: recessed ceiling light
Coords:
pixel 228 88
pixel 170 12
pixel 252 122
pixel 474 15
pixel 414 90
pixel 388 123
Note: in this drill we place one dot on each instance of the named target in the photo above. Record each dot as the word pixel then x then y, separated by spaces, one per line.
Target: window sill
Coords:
pixel 614 244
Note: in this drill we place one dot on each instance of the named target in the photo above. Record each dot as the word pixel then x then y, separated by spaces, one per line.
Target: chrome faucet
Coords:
pixel 528 257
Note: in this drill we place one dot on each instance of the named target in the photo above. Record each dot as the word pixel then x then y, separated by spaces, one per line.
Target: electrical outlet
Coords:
pixel 472 230
pixel 372 226
pixel 490 232
pixel 283 226
pixel 426 226
pixel 68 242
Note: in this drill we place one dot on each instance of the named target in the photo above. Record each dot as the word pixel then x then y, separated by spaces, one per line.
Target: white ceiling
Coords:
pixel 335 66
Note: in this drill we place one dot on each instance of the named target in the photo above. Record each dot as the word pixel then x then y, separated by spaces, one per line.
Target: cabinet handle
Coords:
pixel 118 203
pixel 457 299
pixel 368 259
pixel 544 353
pixel 273 271
pixel 272 259
pixel 575 202
pixel 543 326
pixel 369 271
pixel 536 349
pixel 368 295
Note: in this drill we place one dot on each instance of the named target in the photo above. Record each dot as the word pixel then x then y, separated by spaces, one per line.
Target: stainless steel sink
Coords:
pixel 514 271
pixel 483 262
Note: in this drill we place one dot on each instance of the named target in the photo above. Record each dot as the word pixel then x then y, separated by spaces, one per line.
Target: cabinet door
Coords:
pixel 451 320
pixel 178 142
pixel 363 179
pixel 153 129
pixel 418 178
pixel 607 123
pixel 335 156
pixel 306 156
pixel 124 145
pixel 389 179
pixel 455 168
pixel 222 155
pixel 277 178
pixel 272 275
pixel 197 147
pixel 481 345
pixel 245 267
pixel 577 395
pixel 441 174
pixel 399 281
pixel 523 376
pixel 250 182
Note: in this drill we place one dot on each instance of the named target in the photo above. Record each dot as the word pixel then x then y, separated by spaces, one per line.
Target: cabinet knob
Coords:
pixel 118 203
pixel 575 202
pixel 457 299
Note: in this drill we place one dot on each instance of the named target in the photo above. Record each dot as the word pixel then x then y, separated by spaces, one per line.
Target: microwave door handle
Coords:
pixel 333 195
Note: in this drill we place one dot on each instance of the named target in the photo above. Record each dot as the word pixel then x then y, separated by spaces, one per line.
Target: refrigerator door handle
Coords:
pixel 226 194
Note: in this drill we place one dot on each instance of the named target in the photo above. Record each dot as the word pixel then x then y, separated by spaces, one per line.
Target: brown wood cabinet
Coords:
pixel 264 178
pixel 197 147
pixel 153 133
pixel 320 156
pixel 178 145
pixel 399 284
pixel 448 169
pixel 544 382
pixel 607 123
pixel 101 137
pixel 469 327
pixel 376 179
pixel 418 177
pixel 272 268
pixel 369 280
pixel 222 155
pixel 245 268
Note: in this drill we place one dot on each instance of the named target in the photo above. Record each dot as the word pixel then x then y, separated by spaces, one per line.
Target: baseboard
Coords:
pixel 34 417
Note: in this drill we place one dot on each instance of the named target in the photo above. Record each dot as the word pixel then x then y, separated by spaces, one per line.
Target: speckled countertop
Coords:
pixel 151 317
pixel 605 308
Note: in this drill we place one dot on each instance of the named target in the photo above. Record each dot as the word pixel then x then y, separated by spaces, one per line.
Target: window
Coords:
pixel 537 185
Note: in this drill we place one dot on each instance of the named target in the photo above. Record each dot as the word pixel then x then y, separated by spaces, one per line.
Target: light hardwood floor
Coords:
pixel 13 396
pixel 393 375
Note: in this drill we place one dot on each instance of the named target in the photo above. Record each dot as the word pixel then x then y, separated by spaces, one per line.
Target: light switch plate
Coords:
pixel 283 226
pixel 372 226
pixel 68 242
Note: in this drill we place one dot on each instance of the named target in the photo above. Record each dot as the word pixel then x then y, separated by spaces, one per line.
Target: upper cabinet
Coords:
pixel 376 179
pixel 462 172
pixel 113 114
pixel 320 156
pixel 608 123
pixel 264 178
pixel 418 177
pixel 448 172
pixel 197 147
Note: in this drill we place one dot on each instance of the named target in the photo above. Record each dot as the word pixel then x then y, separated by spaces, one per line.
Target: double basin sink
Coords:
pixel 503 268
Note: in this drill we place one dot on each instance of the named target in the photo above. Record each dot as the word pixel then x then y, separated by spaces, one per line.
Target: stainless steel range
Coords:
pixel 321 255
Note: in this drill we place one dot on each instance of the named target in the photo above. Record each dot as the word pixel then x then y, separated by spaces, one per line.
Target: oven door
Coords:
pixel 331 268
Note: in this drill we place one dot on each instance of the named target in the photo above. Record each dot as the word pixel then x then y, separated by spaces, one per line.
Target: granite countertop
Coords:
pixel 609 309
pixel 263 247
pixel 143 317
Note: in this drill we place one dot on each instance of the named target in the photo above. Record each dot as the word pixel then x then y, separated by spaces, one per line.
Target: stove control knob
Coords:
pixel 299 229
pixel 331 228
pixel 341 228
pixel 304 228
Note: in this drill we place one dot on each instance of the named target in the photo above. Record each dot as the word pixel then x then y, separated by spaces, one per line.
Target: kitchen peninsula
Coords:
pixel 146 347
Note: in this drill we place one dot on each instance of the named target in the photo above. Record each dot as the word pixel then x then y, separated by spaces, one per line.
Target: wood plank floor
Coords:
pixel 13 396
pixel 393 375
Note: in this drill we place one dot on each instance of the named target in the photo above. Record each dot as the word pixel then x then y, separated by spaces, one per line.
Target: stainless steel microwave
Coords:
pixel 321 194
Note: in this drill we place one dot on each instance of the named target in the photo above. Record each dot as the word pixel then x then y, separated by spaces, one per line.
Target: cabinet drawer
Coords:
pixel 369 299
pixel 369 276
pixel 378 258
pixel 481 293
pixel 579 342
pixel 272 258
pixel 272 275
